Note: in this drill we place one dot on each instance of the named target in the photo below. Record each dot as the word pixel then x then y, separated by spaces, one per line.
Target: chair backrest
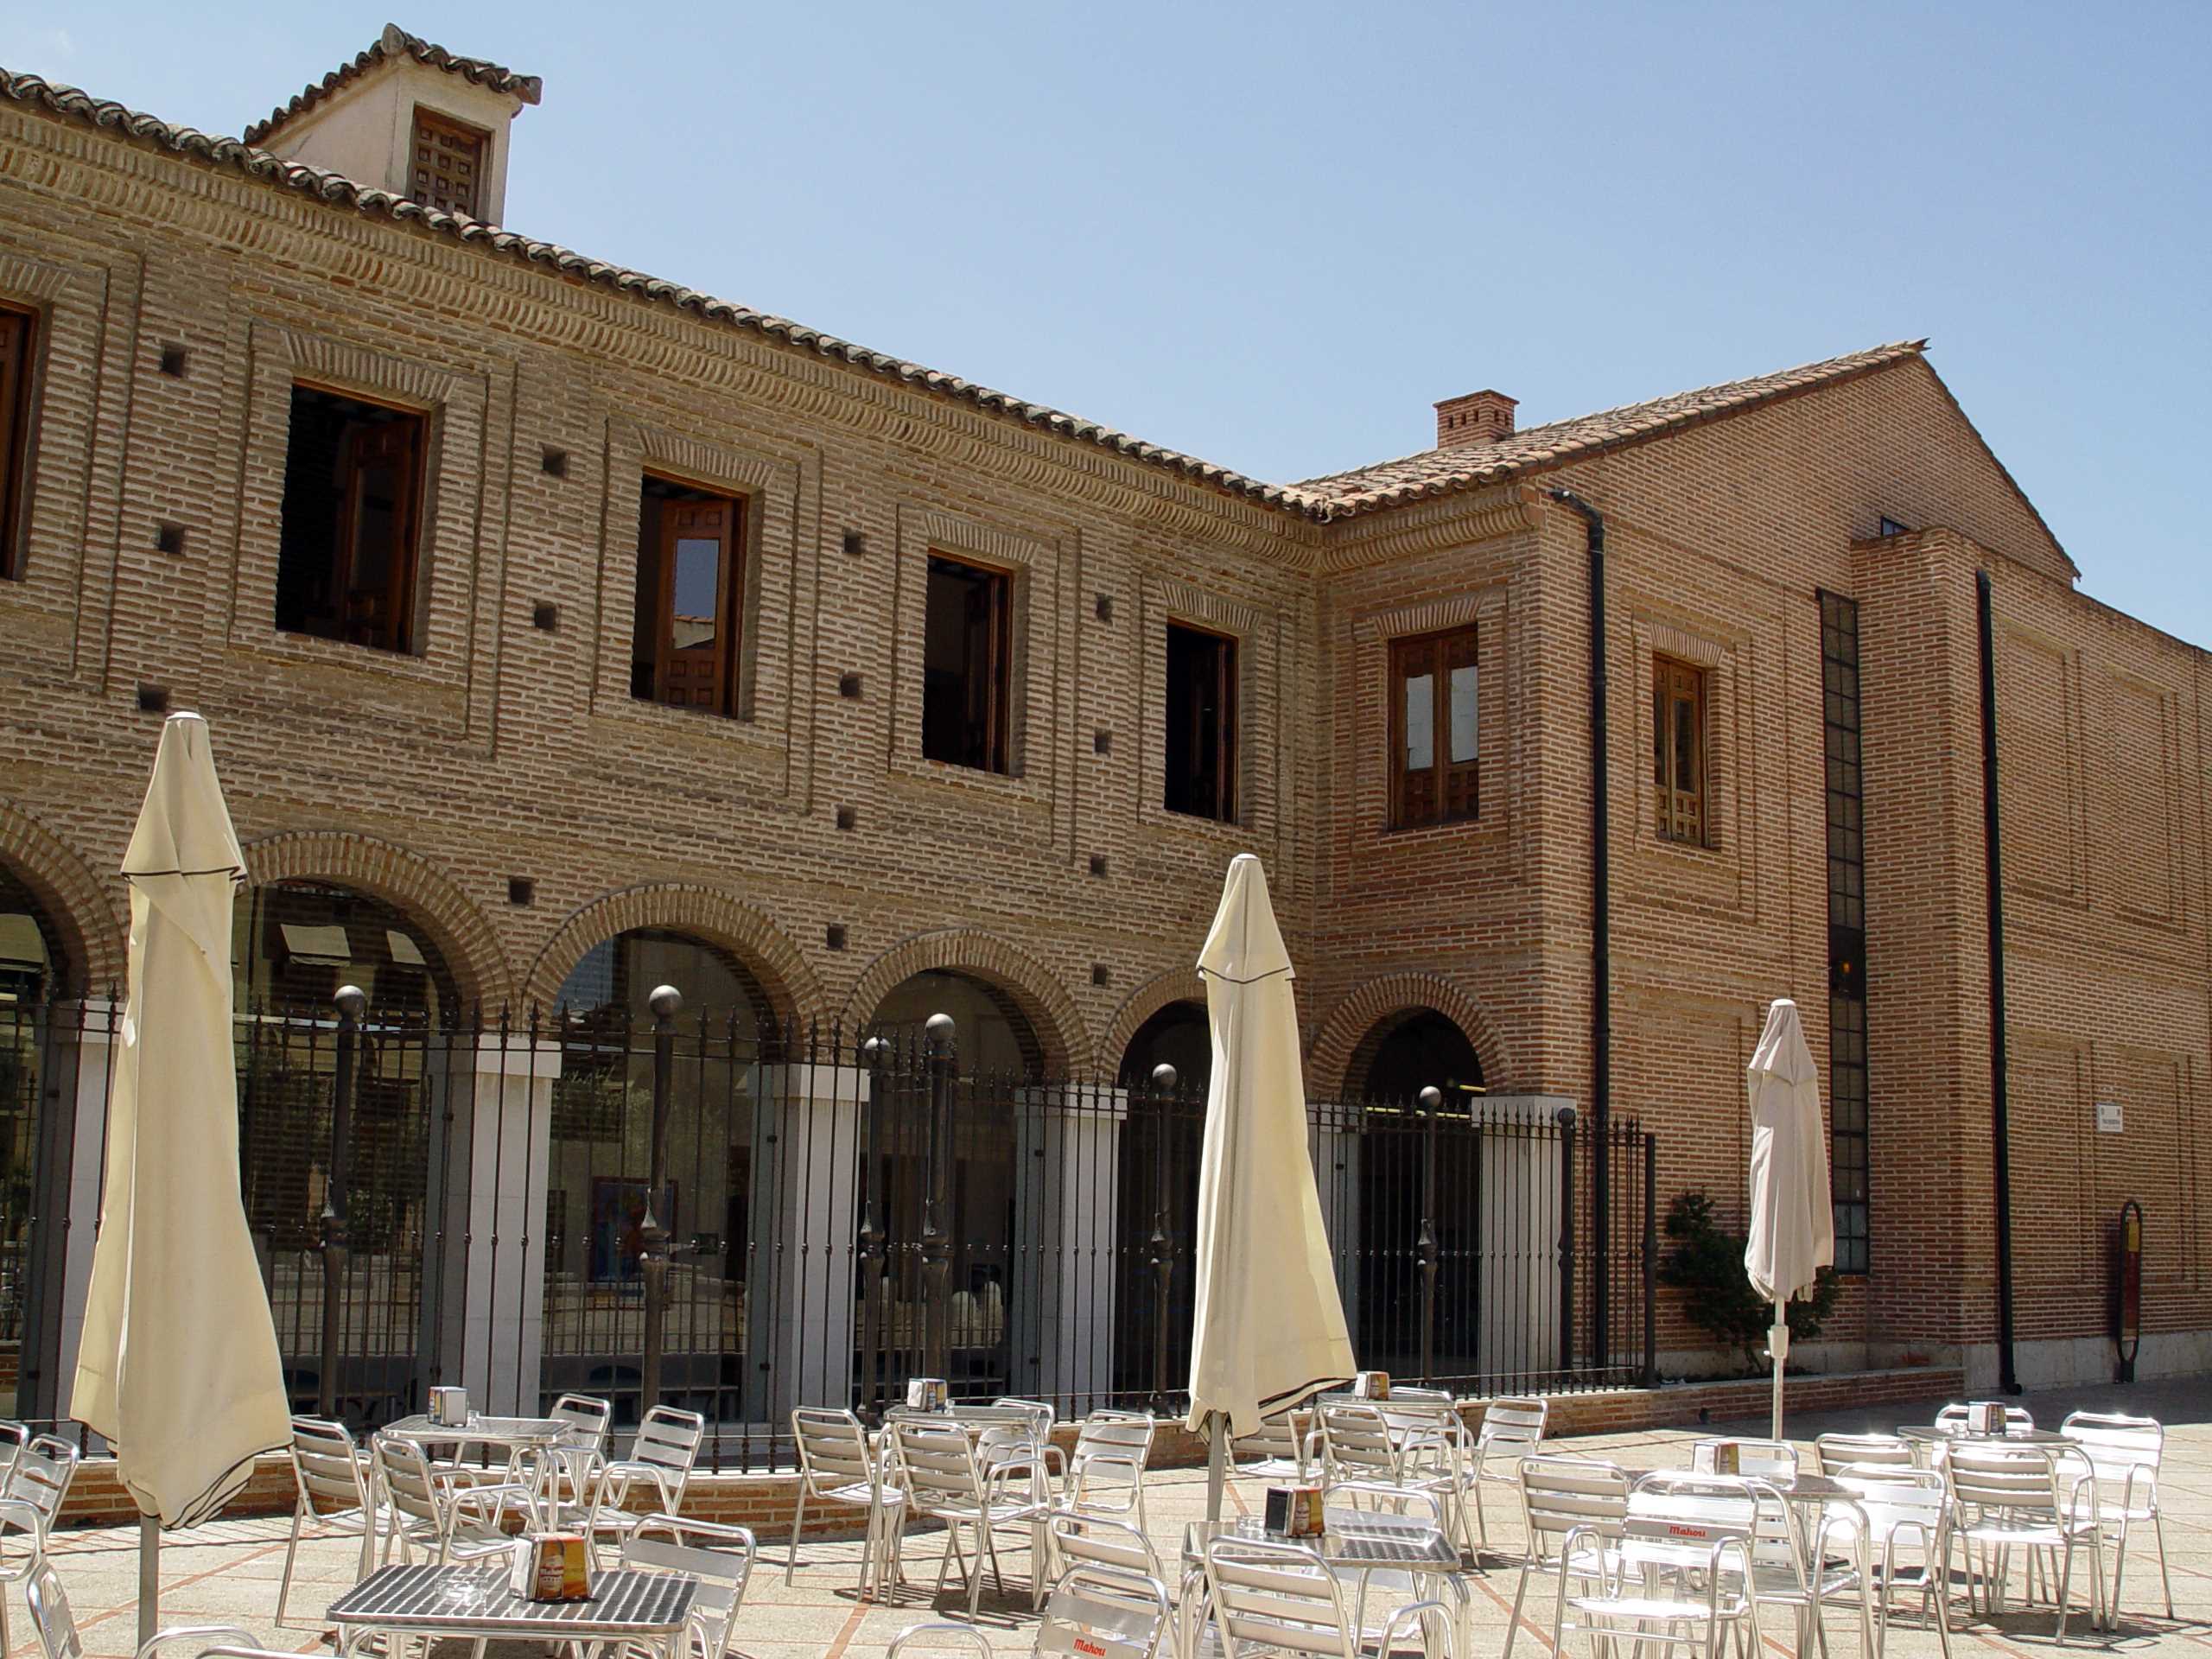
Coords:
pixel 1767 1459
pixel 1513 1421
pixel 42 1474
pixel 1103 1613
pixel 1099 1541
pixel 1897 1500
pixel 720 1557
pixel 939 1633
pixel 1992 1475
pixel 1559 1494
pixel 405 1474
pixel 326 1466
pixel 13 1437
pixel 1122 1439
pixel 2116 1446
pixel 1838 1450
pixel 1680 1519
pixel 668 1439
pixel 1267 1595
pixel 50 1615
pixel 936 1467
pixel 1280 1438
pixel 832 1449
pixel 1355 1444
pixel 587 1418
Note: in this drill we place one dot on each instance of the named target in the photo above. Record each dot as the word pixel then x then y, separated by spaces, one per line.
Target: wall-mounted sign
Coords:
pixel 2109 1117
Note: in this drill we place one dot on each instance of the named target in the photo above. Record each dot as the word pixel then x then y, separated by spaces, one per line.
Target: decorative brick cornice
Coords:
pixel 87 913
pixel 1064 1045
pixel 709 913
pixel 1456 521
pixel 458 926
pixel 1176 985
pixel 1348 1023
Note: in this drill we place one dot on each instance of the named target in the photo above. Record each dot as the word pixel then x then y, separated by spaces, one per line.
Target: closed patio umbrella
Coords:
pixel 1793 1226
pixel 1269 1328
pixel 178 1365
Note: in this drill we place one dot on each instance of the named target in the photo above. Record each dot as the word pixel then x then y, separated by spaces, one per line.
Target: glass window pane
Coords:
pixel 1421 722
pixel 698 582
pixel 1685 744
pixel 1463 714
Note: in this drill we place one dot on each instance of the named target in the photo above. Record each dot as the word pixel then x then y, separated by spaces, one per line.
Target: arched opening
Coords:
pixel 599 1171
pixel 1156 1190
pixel 992 1037
pixel 293 944
pixel 32 971
pixel 1410 1170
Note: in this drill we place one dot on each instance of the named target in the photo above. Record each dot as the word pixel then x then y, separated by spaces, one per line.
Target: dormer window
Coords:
pixel 445 167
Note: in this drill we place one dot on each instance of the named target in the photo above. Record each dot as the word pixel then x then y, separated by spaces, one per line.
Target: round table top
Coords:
pixel 483 1431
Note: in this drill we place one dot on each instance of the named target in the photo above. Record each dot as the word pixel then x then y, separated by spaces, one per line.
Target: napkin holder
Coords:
pixel 928 1394
pixel 1372 1385
pixel 550 1566
pixel 1294 1512
pixel 1986 1417
pixel 449 1408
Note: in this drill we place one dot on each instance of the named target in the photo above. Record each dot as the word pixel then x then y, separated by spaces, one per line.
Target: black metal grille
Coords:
pixel 1848 1160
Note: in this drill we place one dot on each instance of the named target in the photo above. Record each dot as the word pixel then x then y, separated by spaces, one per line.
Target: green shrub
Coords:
pixel 1706 1259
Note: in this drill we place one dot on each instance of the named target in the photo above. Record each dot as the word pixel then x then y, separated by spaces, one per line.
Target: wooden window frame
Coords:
pixel 437 123
pixel 402 582
pixel 1225 722
pixel 998 667
pixel 18 369
pixel 1682 812
pixel 1455 794
pixel 730 596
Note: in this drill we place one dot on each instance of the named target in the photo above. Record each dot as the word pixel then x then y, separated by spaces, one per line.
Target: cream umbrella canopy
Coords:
pixel 1793 1224
pixel 1268 1326
pixel 178 1365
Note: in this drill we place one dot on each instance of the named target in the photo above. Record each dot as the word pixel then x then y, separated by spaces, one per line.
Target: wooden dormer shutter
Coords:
pixel 446 169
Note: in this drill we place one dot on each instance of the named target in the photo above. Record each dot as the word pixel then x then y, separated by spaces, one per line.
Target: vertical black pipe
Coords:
pixel 2000 1129
pixel 1601 935
pixel 1432 1102
pixel 937 1245
pixel 873 1052
pixel 1566 1120
pixel 1160 1247
pixel 1650 1260
pixel 351 1002
pixel 654 1236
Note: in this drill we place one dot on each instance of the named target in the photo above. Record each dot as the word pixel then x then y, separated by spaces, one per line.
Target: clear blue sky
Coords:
pixel 1274 235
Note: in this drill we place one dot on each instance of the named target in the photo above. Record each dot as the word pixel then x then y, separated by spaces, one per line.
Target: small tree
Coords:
pixel 1706 1259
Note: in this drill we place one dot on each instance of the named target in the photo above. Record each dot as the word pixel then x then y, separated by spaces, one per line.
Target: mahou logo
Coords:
pixel 1084 1644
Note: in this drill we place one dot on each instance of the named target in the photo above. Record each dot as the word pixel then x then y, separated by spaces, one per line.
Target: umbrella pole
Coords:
pixel 1778 1345
pixel 1216 1464
pixel 149 1577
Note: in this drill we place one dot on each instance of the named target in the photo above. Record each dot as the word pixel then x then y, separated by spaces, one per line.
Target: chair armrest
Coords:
pixel 619 1477
pixel 202 1633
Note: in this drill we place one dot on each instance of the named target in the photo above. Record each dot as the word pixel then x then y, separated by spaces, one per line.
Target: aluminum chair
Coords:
pixel 1266 1596
pixel 1095 1612
pixel 334 1491
pixel 662 1455
pixel 13 1437
pixel 451 1516
pixel 720 1557
pixel 37 1484
pixel 1111 1452
pixel 60 1638
pixel 2006 1497
pixel 1686 1577
pixel 836 1465
pixel 1357 1445
pixel 1563 1497
pixel 570 1476
pixel 2124 1452
pixel 1512 1428
pixel 1080 1540
pixel 1892 1509
pixel 1885 1451
pixel 1278 1449
pixel 942 1478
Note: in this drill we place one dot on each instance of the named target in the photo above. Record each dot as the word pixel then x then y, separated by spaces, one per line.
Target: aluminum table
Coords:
pixel 473 1603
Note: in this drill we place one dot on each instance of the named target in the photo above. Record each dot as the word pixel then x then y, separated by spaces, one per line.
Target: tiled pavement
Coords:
pixel 228 1571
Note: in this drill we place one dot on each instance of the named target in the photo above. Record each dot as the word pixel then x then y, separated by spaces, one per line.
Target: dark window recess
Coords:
pixel 18 341
pixel 1849 1165
pixel 1098 863
pixel 1678 769
pixel 345 563
pixel 683 642
pixel 173 360
pixel 967 656
pixel 153 699
pixel 521 890
pixel 554 463
pixel 1435 728
pixel 446 168
pixel 1201 739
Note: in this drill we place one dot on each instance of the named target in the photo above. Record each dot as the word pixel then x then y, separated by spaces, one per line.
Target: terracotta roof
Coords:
pixel 396 42
pixel 1440 472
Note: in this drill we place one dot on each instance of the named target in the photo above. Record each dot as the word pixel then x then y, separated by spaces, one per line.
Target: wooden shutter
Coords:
pixel 1413 760
pixel 381 505
pixel 1458 730
pixel 695 661
pixel 446 166
pixel 1678 750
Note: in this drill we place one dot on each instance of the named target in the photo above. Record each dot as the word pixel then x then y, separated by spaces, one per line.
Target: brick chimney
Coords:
pixel 1477 417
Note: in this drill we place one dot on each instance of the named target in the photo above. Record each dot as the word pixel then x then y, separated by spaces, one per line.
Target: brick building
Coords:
pixel 564 630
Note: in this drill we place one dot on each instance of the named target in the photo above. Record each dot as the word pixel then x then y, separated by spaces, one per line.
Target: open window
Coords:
pixel 967 658
pixel 345 565
pixel 1678 750
pixel 1201 737
pixel 445 167
pixel 1435 709
pixel 690 597
pixel 18 341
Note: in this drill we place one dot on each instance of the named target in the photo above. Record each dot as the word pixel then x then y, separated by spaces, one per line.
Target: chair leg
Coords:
pixel 2158 1533
pixel 2065 1585
pixel 798 1519
pixel 1513 1619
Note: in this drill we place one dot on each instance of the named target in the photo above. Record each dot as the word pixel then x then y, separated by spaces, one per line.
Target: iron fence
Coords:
pixel 739 1219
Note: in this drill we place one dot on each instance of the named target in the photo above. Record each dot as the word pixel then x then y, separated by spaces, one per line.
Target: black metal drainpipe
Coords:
pixel 2000 1130
pixel 1601 945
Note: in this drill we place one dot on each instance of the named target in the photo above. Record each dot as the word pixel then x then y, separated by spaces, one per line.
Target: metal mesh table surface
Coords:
pixel 484 1431
pixel 475 1599
pixel 1356 1538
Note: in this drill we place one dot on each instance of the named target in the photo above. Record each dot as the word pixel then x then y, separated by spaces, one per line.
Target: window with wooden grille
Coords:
pixel 1201 735
pixel 345 563
pixel 690 598
pixel 966 665
pixel 18 340
pixel 1678 769
pixel 1436 711
pixel 445 167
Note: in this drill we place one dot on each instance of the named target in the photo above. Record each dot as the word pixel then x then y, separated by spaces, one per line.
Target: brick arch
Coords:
pixel 463 932
pixel 1043 1001
pixel 88 914
pixel 1178 985
pixel 1338 1038
pixel 708 913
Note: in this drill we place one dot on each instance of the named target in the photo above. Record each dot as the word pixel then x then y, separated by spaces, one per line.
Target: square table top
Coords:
pixel 484 1431
pixel 476 1598
pixel 1354 1538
